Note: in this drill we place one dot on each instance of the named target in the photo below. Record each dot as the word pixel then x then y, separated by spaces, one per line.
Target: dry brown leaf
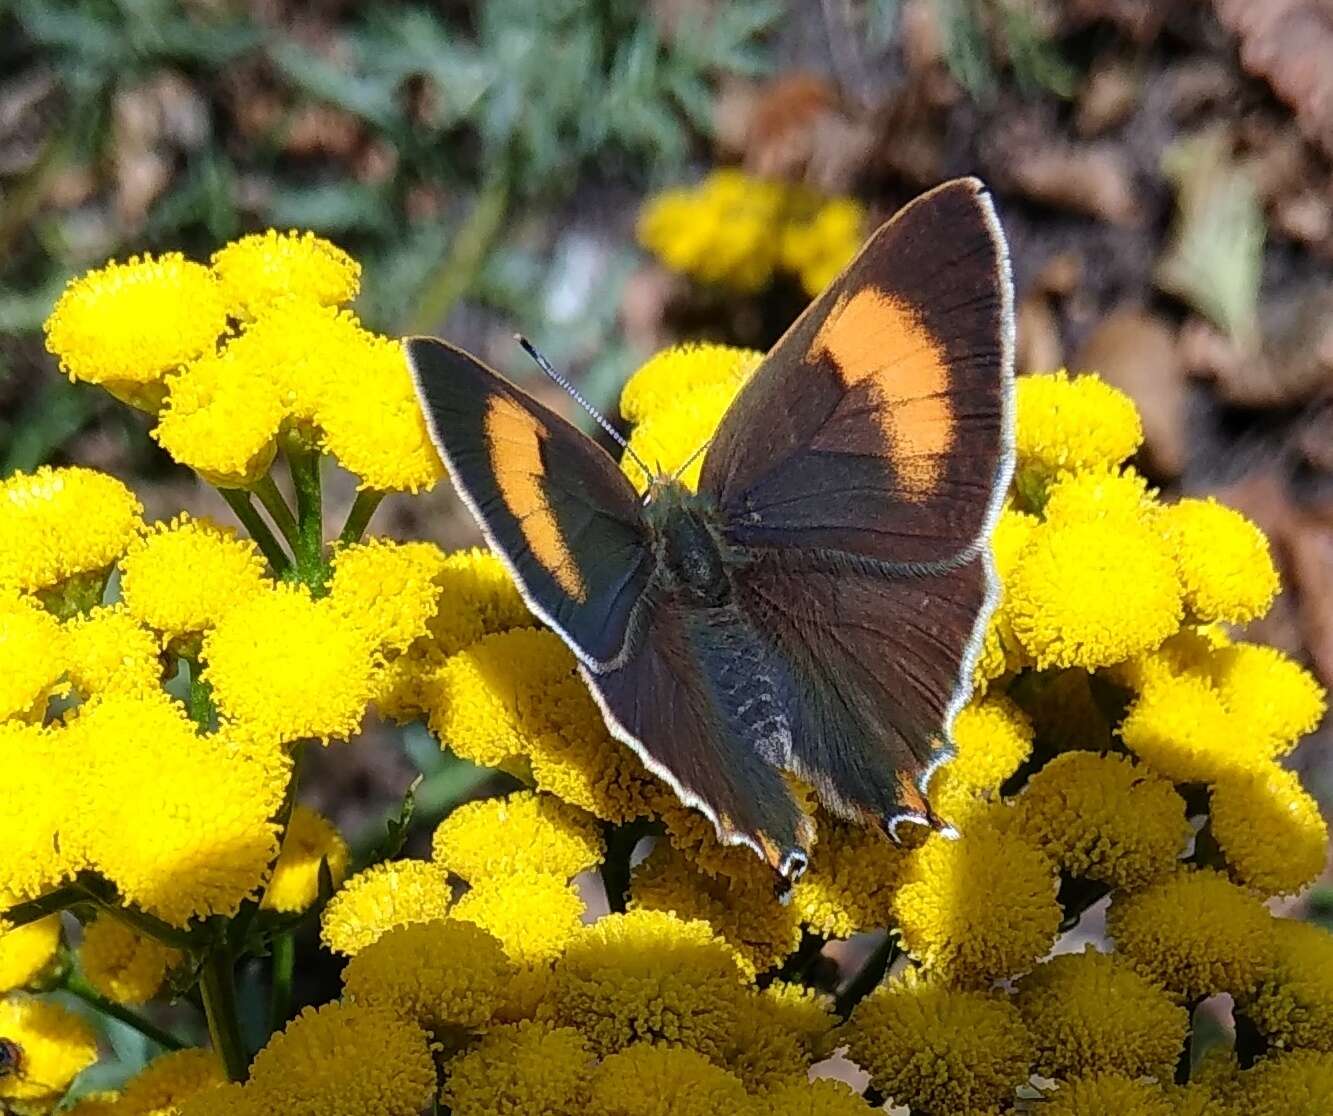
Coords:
pixel 794 127
pixel 1289 43
pixel 1092 178
pixel 1136 352
pixel 1107 100
pixel 1310 549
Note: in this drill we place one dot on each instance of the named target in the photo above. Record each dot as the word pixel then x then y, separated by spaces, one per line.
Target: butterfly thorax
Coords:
pixel 690 547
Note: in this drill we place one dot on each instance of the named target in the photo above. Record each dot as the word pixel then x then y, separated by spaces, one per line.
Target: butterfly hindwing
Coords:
pixel 700 701
pixel 879 665
pixel 551 502
pixel 879 425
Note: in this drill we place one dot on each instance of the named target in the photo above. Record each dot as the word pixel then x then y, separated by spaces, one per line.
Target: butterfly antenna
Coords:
pixel 545 366
pixel 691 459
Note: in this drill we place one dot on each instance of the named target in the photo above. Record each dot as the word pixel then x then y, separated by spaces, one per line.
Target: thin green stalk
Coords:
pixel 62 898
pixel 867 978
pixel 200 703
pixel 309 545
pixel 76 985
pixel 363 507
pixel 276 506
pixel 217 986
pixel 283 968
pixel 239 502
pixel 467 254
pixel 101 892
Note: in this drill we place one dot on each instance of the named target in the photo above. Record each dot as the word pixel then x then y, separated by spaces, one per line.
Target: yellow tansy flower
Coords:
pixel 26 952
pixel 160 1087
pixel 851 881
pixel 1293 1006
pixel 221 417
pixel 447 975
pixel 763 1052
pixel 311 840
pixel 180 822
pixel 32 656
pixel 992 737
pixel 648 975
pixel 1179 727
pixel 1089 1012
pixel 488 700
pixel 394 893
pixel 1092 593
pixel 291 666
pixel 388 587
pixel 1117 494
pixel 258 270
pixel 1194 932
pixel 180 577
pixel 823 1097
pixel 36 797
pixel 130 323
pixel 669 438
pixel 804 1011
pixel 534 915
pixel 56 523
pixel 661 382
pixel 722 231
pixel 1274 698
pixel 1282 1084
pixel 651 1079
pixel 109 650
pixel 819 248
pixel 372 422
pixel 345 1058
pixel 978 907
pixel 1000 651
pixel 521 1069
pixel 939 1049
pixel 741 910
pixel 56 1047
pixel 124 965
pixel 1066 424
pixel 1106 1094
pixel 522 832
pixel 1270 830
pixel 1224 561
pixel 227 1100
pixel 1105 818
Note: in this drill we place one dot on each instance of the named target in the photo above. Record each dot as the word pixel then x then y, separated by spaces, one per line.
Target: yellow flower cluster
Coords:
pixel 230 357
pixel 736 231
pixel 584 944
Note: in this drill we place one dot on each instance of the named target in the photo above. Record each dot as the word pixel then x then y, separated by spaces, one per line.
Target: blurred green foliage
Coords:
pixel 449 124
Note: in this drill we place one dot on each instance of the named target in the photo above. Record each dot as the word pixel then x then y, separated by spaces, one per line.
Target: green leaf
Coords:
pixel 371 97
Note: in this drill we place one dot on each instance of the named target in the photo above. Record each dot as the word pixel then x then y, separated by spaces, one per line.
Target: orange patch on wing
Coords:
pixel 514 438
pixel 871 337
pixel 910 796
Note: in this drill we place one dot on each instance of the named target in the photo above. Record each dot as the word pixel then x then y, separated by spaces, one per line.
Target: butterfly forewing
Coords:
pixel 879 424
pixel 551 502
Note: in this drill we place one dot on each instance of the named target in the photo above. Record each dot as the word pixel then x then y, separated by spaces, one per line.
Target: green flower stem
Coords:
pixel 363 507
pixel 97 890
pixel 866 979
pixel 217 986
pixel 284 965
pixel 467 254
pixel 309 547
pixel 76 985
pixel 62 898
pixel 276 506
pixel 620 842
pixel 239 502
pixel 200 704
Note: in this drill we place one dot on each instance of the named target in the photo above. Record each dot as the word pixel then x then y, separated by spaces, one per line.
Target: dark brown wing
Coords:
pixel 879 426
pixel 551 502
pixel 697 704
pixel 878 667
